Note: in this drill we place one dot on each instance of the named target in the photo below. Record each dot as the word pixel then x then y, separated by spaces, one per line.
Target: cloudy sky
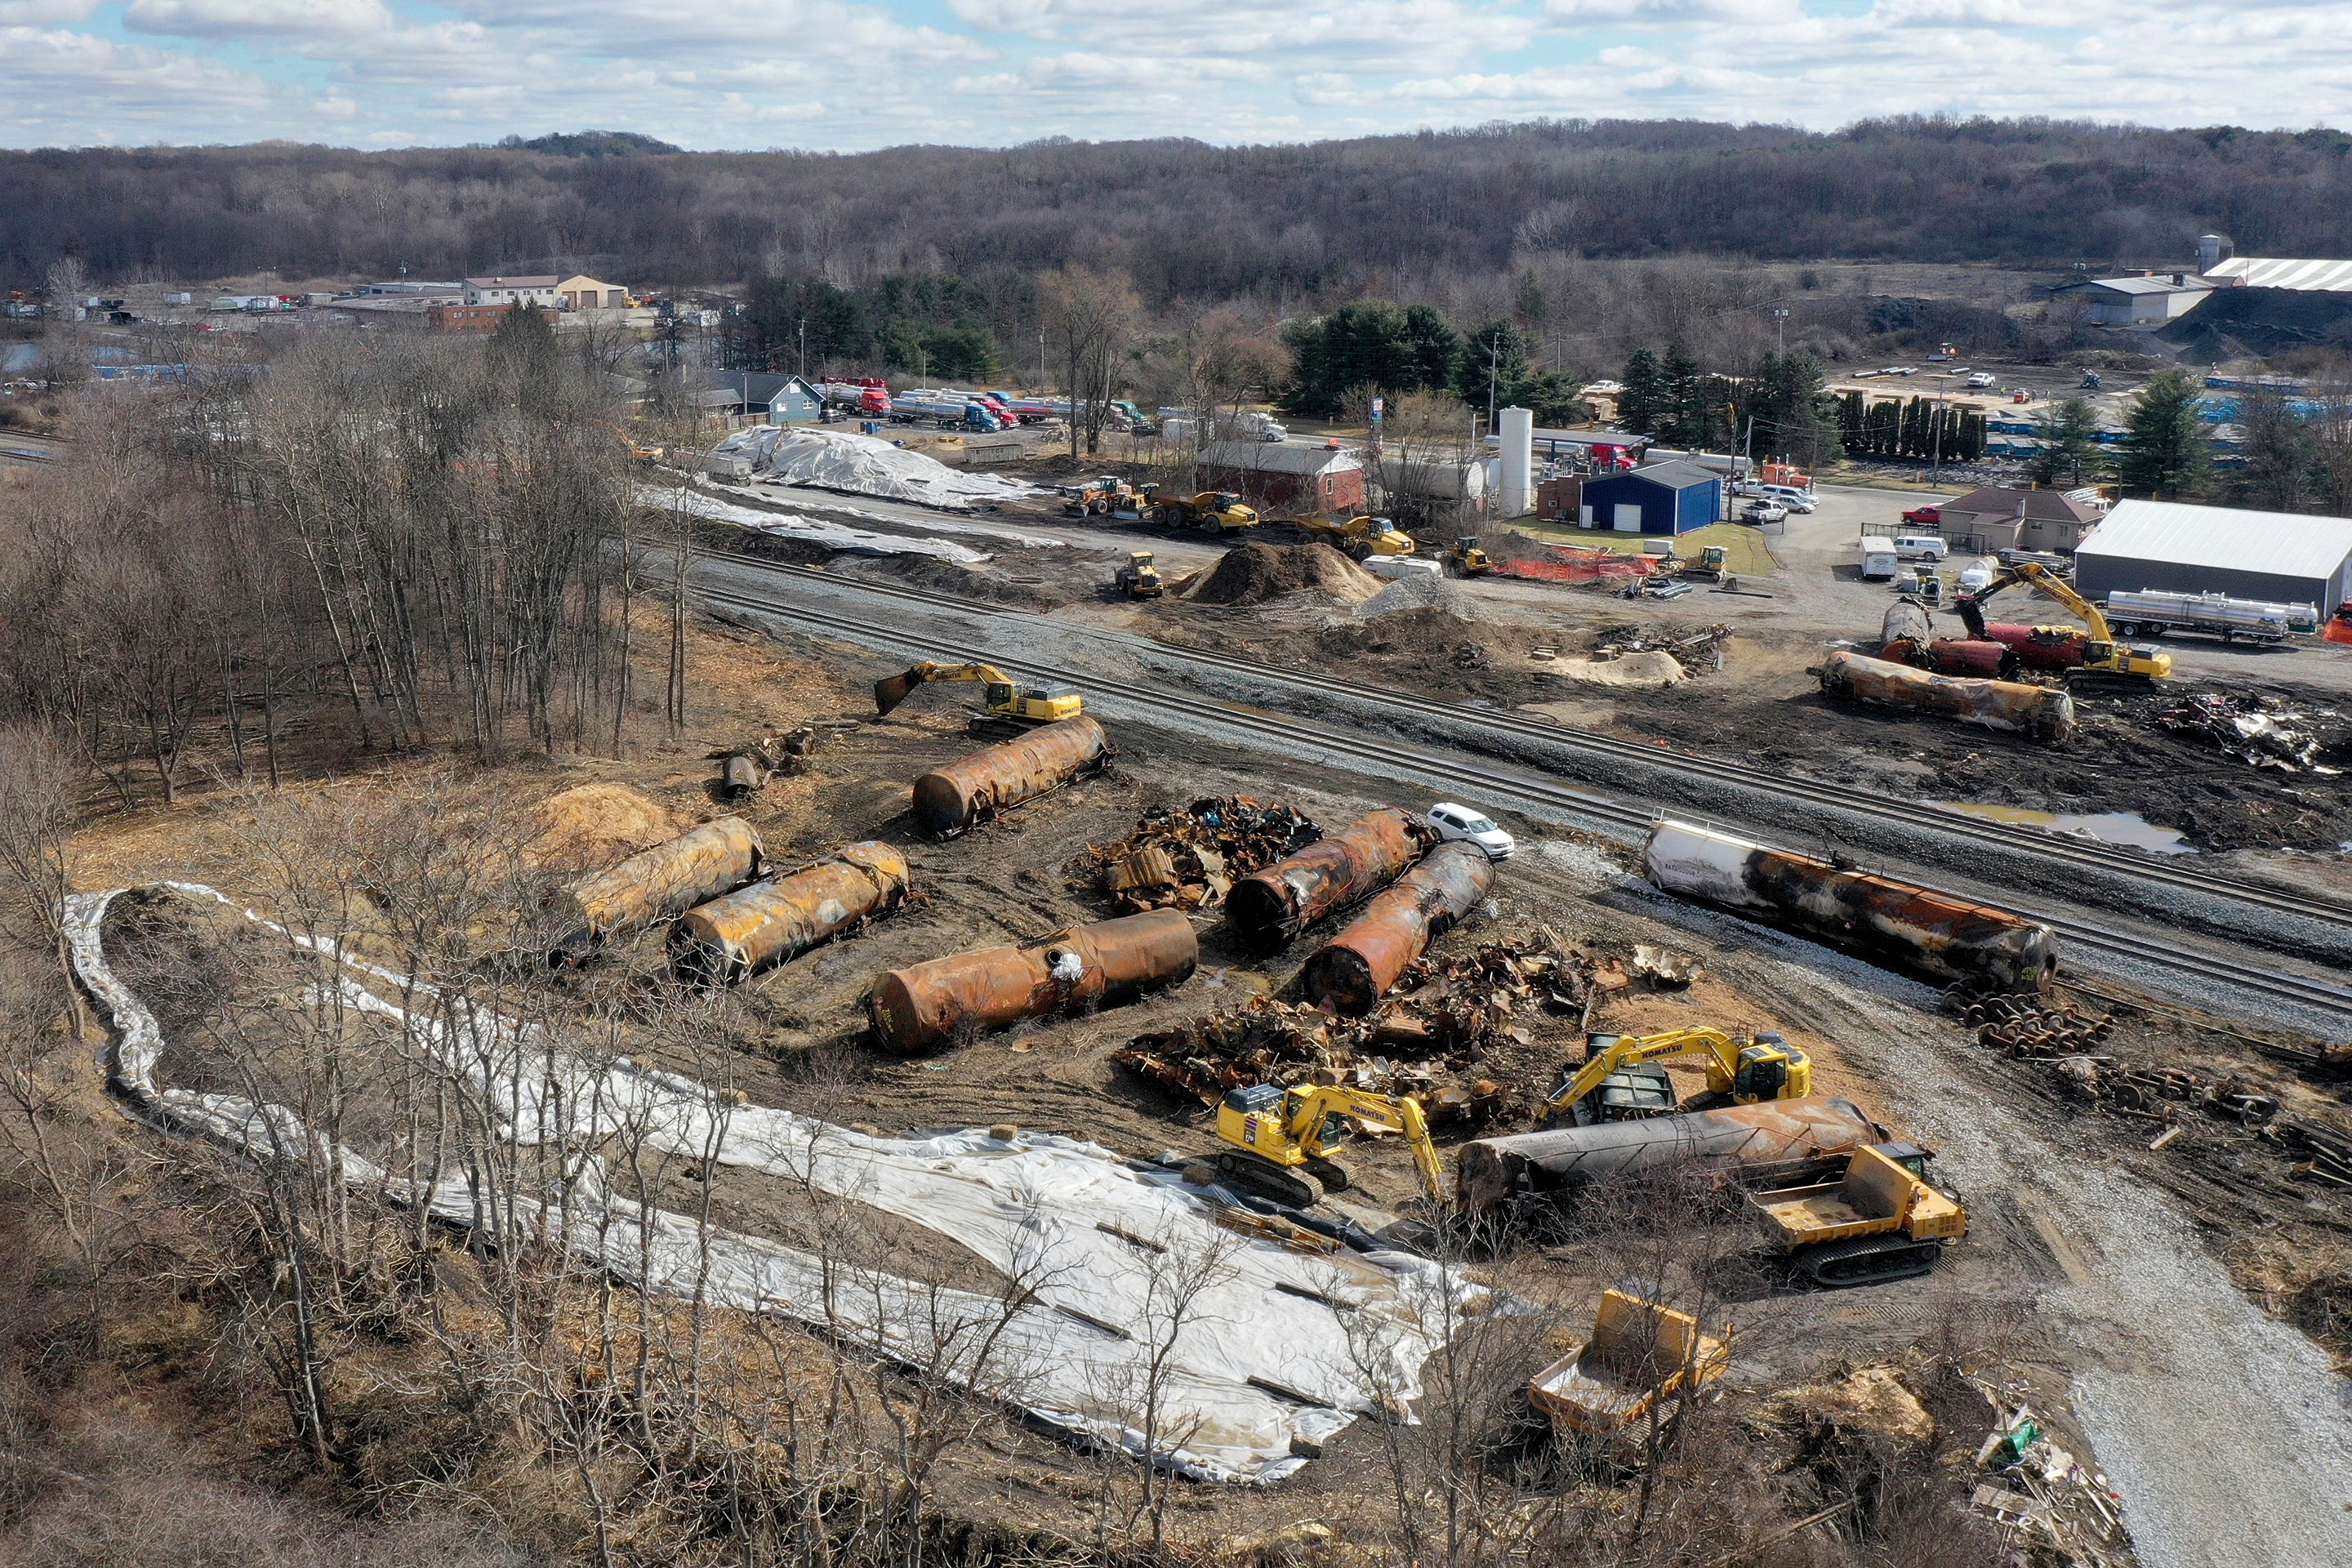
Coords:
pixel 853 74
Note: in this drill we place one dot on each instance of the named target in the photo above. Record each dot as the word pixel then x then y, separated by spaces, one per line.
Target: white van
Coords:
pixel 1878 559
pixel 1920 547
pixel 1788 496
pixel 1978 577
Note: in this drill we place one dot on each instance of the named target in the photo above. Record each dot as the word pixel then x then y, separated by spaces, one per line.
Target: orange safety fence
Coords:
pixel 1568 564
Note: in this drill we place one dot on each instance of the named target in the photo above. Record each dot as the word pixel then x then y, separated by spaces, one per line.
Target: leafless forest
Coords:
pixel 1289 227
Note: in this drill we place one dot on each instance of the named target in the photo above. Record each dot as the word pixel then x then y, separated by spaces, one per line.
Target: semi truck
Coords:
pixel 862 395
pixel 951 410
pixel 2152 614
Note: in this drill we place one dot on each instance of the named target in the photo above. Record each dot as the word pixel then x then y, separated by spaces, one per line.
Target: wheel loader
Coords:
pixel 1137 577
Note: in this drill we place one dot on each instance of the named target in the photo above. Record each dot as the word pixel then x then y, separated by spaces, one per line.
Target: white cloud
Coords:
pixel 273 19
pixel 864 73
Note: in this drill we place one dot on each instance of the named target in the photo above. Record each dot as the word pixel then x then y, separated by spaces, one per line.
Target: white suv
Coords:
pixel 1460 825
pixel 1788 496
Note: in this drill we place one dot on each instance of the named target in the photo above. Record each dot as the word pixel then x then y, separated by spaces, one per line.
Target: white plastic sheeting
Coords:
pixel 863 465
pixel 816 530
pixel 1264 1368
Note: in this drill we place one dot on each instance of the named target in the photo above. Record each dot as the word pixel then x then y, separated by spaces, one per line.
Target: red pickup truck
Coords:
pixel 1925 516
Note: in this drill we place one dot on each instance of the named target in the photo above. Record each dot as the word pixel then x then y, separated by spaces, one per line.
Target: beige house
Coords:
pixel 2000 518
pixel 581 292
pixel 535 291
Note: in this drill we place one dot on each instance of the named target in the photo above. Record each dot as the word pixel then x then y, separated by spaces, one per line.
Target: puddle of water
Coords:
pixel 2125 827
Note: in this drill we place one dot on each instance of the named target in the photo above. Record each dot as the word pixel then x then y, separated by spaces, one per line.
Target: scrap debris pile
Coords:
pixel 2047 1499
pixel 1699 651
pixel 1185 860
pixel 745 771
pixel 2256 731
pixel 2058 1038
pixel 1420 1044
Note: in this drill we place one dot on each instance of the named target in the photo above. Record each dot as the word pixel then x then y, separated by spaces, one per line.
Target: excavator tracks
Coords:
pixel 1868 1260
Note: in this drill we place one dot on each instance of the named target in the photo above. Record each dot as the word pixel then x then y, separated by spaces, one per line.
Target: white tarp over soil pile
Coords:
pixel 1097 1249
pixel 864 465
pixel 816 530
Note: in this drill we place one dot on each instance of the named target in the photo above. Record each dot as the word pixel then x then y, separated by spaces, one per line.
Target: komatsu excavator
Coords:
pixel 1279 1141
pixel 1004 698
pixel 2101 655
pixel 1612 1086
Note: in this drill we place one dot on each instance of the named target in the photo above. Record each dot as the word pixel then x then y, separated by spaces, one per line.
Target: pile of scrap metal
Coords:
pixel 1699 652
pixel 2028 1026
pixel 2048 1503
pixel 1422 1043
pixel 745 771
pixel 2060 1039
pixel 2254 729
pixel 1187 859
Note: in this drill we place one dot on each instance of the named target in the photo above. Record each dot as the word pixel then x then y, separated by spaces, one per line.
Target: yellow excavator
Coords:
pixel 1279 1141
pixel 2101 655
pixel 1613 1085
pixel 1005 697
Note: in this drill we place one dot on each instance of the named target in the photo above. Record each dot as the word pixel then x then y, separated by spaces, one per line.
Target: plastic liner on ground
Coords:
pixel 1326 876
pixel 1263 1372
pixel 2034 711
pixel 1354 969
pixel 768 922
pixel 667 879
pixel 1073 969
pixel 950 799
pixel 1519 1177
pixel 1898 924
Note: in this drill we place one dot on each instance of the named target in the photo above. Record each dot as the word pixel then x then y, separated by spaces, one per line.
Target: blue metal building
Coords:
pixel 1664 497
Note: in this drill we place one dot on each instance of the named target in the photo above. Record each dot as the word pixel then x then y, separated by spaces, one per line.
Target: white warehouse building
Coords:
pixel 2176 548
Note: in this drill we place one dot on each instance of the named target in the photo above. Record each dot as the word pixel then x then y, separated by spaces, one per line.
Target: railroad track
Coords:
pixel 1289 731
pixel 1908 815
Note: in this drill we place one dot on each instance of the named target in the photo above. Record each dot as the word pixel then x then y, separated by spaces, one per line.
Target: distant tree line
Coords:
pixel 1774 407
pixel 1393 350
pixel 937 325
pixel 1309 226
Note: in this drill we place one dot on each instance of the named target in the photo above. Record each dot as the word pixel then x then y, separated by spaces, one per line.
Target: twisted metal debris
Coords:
pixel 1188 859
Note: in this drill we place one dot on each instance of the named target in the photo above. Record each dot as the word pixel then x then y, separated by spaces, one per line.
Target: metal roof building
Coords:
pixel 2173 547
pixel 1664 497
pixel 2322 276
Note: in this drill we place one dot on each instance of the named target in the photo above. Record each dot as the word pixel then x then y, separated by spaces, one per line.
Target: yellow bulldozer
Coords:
pixel 1220 510
pixel 1003 698
pixel 1138 577
pixel 1465 559
pixel 1618 1083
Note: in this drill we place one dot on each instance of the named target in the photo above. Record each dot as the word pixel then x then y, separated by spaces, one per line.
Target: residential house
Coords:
pixel 536 290
pixel 2000 518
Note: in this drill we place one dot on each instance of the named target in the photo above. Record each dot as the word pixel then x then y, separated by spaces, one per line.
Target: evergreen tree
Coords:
pixel 2070 441
pixel 1368 343
pixel 1794 417
pixel 2164 453
pixel 1682 396
pixel 1643 403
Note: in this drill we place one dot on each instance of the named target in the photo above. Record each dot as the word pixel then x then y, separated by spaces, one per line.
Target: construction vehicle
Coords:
pixel 1620 1082
pixel 1712 562
pixel 1466 560
pixel 1137 577
pixel 1640 1354
pixel 1279 1141
pixel 1220 510
pixel 1881 1221
pixel 2100 655
pixel 1096 497
pixel 1361 538
pixel 1004 698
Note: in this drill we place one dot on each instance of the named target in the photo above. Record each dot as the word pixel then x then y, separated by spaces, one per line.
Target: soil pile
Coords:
pixel 2231 323
pixel 1653 667
pixel 949 578
pixel 1253 574
pixel 596 825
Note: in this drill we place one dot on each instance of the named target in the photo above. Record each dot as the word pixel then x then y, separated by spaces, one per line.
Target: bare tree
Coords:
pixel 1092 316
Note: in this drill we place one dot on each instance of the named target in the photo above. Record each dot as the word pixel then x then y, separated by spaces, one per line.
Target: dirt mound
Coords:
pixel 594 825
pixel 947 577
pixel 1251 574
pixel 1654 668
pixel 2229 322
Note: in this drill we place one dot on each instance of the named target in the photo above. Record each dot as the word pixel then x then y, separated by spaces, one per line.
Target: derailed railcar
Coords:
pixel 1354 969
pixel 1897 924
pixel 2036 712
pixel 767 924
pixel 1073 969
pixel 949 799
pixel 1273 905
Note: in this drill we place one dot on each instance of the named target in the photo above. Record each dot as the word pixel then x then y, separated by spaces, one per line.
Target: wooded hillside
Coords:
pixel 1303 225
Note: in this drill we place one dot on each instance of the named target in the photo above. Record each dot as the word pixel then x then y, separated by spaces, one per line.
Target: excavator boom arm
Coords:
pixel 1402 1114
pixel 1646 1049
pixel 888 694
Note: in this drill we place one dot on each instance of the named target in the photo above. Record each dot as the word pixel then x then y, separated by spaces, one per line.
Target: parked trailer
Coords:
pixel 2152 614
pixel 1898 923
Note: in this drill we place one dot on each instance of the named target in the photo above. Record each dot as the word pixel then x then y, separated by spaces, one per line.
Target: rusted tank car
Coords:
pixel 1887 921
pixel 950 799
pixel 769 922
pixel 1354 969
pixel 2034 710
pixel 1954 656
pixel 1275 904
pixel 1778 1143
pixel 668 878
pixel 1085 966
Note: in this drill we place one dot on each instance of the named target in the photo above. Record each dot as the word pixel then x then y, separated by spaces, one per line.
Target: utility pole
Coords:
pixel 1780 319
pixel 802 371
pixel 1041 359
pixel 1493 363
